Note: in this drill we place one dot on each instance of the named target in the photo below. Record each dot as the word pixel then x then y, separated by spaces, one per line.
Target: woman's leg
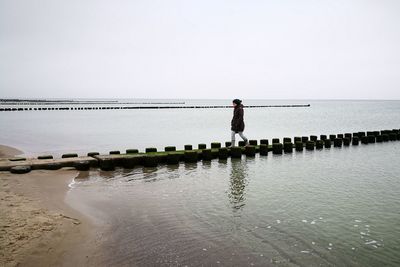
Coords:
pixel 243 137
pixel 233 138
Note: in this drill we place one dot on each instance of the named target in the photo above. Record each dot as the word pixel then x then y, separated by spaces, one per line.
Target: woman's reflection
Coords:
pixel 238 182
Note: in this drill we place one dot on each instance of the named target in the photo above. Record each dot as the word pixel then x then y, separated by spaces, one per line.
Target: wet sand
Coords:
pixel 7 151
pixel 37 227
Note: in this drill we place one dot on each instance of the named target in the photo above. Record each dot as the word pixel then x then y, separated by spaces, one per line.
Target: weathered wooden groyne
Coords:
pixel 152 158
pixel 141 107
pixel 27 102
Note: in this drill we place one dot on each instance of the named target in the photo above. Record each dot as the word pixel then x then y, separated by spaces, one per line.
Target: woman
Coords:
pixel 237 124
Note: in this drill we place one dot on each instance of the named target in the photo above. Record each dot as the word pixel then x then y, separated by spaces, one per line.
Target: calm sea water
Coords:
pixel 334 207
pixel 58 132
pixel 338 206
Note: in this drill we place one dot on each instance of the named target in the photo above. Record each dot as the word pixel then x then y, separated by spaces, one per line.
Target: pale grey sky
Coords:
pixel 200 49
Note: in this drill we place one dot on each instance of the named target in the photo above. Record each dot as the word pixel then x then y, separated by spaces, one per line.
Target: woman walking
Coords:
pixel 237 124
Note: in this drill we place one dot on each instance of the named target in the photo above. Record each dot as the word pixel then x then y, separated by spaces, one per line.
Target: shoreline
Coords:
pixel 8 151
pixel 37 226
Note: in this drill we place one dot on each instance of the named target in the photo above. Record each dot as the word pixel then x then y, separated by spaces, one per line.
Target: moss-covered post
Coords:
pixel 215 145
pixel 236 152
pixel 332 137
pixel 348 135
pixel 310 145
pixel 346 141
pixel 169 148
pixel 250 151
pixel 106 165
pixel 287 140
pixel 328 143
pixel 202 146
pixel 275 140
pixel 337 142
pixel 385 137
pixel 228 144
pixel 304 139
pixel 69 155
pixel 207 155
pixel 190 156
pixel 341 136
pixel 174 157
pixel 150 160
pixel 297 139
pixel 288 147
pixel 314 138
pixel 151 150
pixel 223 153
pixel 356 140
pixel 264 150
pixel 379 139
pixel 277 148
pixel 364 140
pixel 92 154
pixel 323 137
pixel 361 134
pixel 130 162
pixel 132 151
pixel 45 157
pixel 384 132
pixel 242 143
pixel 319 144
pixel 371 138
pixel 83 165
pixel 188 147
pixel 264 142
pixel 20 169
pixel 115 152
pixel 299 146
pixel 253 142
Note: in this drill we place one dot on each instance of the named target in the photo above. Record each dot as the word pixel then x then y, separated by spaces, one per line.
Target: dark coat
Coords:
pixel 237 123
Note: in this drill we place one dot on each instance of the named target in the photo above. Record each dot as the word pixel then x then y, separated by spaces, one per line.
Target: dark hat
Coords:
pixel 237 101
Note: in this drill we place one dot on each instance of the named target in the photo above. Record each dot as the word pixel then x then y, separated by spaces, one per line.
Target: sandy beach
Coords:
pixel 37 227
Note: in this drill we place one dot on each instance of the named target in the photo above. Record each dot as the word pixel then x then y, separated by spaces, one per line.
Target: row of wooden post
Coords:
pixel 170 155
pixel 151 159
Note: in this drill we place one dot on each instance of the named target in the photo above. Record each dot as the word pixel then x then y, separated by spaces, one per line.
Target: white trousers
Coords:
pixel 233 133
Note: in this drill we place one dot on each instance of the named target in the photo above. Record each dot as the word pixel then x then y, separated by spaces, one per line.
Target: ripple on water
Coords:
pixel 306 209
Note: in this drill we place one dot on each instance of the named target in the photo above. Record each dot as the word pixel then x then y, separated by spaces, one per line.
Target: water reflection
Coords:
pixel 82 175
pixel 149 174
pixel 190 166
pixel 238 183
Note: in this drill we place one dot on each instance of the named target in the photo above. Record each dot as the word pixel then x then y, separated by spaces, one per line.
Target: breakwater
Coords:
pixel 142 107
pixel 27 102
pixel 151 157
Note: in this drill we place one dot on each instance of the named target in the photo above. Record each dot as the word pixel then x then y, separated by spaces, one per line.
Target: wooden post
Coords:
pixel 264 150
pixel 236 152
pixel 356 140
pixel 277 148
pixel 337 142
pixel 250 151
pixel 288 147
pixel 310 145
pixel 299 146
pixel 169 148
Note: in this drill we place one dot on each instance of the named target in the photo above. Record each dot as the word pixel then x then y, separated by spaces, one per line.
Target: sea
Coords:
pixel 329 207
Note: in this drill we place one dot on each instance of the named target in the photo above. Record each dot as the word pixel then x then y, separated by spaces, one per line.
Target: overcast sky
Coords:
pixel 200 49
